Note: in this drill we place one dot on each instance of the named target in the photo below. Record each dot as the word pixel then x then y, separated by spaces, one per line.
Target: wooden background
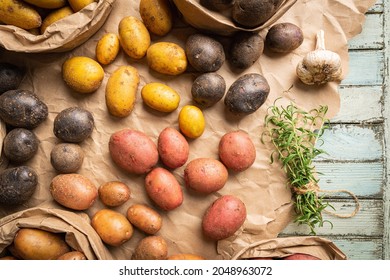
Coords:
pixel 357 148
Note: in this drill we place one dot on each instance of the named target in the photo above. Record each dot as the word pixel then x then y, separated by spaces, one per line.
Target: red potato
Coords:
pixel 74 191
pixel 163 189
pixel 173 148
pixel 237 151
pixel 205 175
pixel 223 217
pixel 133 151
pixel 301 256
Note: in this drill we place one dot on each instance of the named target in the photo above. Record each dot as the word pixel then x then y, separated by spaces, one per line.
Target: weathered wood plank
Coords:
pixel 345 142
pixel 368 222
pixel 377 7
pixel 360 248
pixel 371 36
pixel 360 104
pixel 364 179
pixel 365 68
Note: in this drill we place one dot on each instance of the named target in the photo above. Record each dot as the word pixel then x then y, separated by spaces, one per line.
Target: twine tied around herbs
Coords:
pixel 315 188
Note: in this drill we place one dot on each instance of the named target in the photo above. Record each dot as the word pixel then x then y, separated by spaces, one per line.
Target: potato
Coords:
pixel 253 13
pixel 284 37
pixel 217 5
pixel 107 48
pixel 17 185
pixel 114 193
pixel 167 58
pixel 204 53
pixel 173 148
pixel 237 151
pixel 77 5
pixel 55 16
pixel 39 244
pixel 205 175
pixel 73 191
pixel 160 97
pixel 20 145
pixel 133 151
pixel 72 256
pixel 134 37
pixel 300 256
pixel 47 4
pixel 247 94
pixel 223 217
pixel 121 91
pixel 73 124
pixel 246 49
pixel 82 74
pixel 20 14
pixel 157 16
pixel 191 121
pixel 11 76
pixel 185 256
pixel 144 218
pixel 208 88
pixel 163 189
pixel 112 227
pixel 22 108
pixel 8 258
pixel 66 157
pixel 151 248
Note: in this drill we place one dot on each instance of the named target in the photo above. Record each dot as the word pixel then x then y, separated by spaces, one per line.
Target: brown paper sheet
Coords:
pixel 262 187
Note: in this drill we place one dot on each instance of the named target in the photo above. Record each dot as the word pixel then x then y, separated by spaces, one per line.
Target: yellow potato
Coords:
pixel 121 90
pixel 156 15
pixel 134 37
pixel 167 58
pixel 77 5
pixel 185 256
pixel 107 48
pixel 144 218
pixel 47 4
pixel 82 74
pixel 54 16
pixel 191 121
pixel 160 97
pixel 20 14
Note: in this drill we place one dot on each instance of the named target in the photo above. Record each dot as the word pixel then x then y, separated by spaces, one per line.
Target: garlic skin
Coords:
pixel 319 66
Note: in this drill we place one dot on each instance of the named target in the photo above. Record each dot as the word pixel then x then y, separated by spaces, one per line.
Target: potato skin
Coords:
pixel 54 16
pixel 38 244
pixel 73 191
pixel 163 189
pixel 160 97
pixel 114 193
pixel 66 157
pixel 205 175
pixel 77 5
pixel 72 256
pixel 134 37
pixel 223 217
pixel 47 4
pixel 151 248
pixel 284 37
pixel 237 151
pixel 133 151
pixel 107 48
pixel 173 148
pixel 247 94
pixel 185 256
pixel 144 218
pixel 17 185
pixel 191 121
pixel 204 53
pixel 208 88
pixel 301 256
pixel 10 76
pixel 20 145
pixel 157 16
pixel 20 14
pixel 22 108
pixel 112 227
pixel 167 58
pixel 121 91
pixel 246 49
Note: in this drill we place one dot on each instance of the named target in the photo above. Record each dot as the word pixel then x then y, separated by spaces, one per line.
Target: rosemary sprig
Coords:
pixel 294 133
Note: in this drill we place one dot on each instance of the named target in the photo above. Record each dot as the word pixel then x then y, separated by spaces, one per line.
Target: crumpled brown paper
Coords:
pixel 262 187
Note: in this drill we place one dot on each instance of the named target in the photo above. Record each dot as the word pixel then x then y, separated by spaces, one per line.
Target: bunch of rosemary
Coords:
pixel 294 133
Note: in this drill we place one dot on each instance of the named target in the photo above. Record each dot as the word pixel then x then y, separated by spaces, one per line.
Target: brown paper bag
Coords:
pixel 79 234
pixel 277 248
pixel 64 35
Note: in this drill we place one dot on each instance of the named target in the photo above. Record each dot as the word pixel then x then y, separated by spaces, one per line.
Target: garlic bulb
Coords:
pixel 319 66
